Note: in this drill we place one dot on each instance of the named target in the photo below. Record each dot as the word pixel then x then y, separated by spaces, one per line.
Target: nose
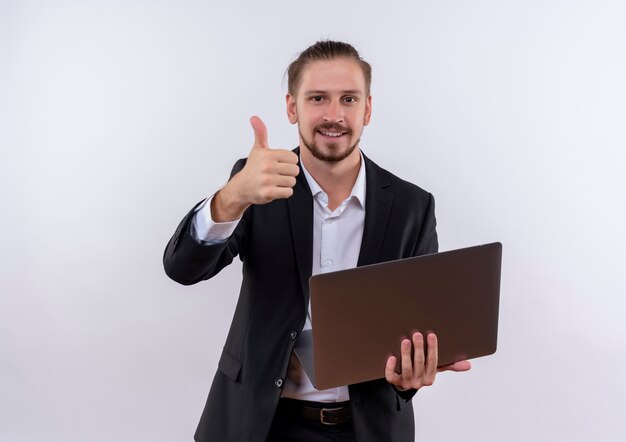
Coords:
pixel 334 112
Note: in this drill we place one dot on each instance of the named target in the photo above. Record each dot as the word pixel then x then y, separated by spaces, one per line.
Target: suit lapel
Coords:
pixel 378 202
pixel 300 206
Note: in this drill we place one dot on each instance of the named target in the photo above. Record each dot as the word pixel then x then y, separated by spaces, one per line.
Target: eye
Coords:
pixel 350 99
pixel 316 99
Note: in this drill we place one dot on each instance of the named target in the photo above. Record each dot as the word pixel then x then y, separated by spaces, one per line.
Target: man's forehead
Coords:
pixel 325 91
pixel 336 75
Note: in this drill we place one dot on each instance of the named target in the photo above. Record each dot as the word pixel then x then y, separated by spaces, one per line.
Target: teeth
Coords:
pixel 331 134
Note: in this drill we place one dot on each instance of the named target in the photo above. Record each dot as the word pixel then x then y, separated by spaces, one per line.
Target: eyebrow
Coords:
pixel 349 92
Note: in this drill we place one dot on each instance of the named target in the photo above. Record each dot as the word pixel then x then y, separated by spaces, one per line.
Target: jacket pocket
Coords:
pixel 229 365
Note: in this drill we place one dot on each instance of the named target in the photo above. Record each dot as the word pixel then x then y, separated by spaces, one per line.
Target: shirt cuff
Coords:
pixel 208 232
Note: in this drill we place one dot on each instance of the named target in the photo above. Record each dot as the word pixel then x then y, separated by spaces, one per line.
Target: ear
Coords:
pixel 292 111
pixel 368 111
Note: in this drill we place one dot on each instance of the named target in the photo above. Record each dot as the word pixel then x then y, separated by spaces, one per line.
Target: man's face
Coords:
pixel 331 107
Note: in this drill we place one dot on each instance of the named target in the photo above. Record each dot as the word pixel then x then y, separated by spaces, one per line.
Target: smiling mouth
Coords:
pixel 331 134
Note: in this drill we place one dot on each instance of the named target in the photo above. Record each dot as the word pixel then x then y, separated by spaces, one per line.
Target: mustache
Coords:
pixel 332 127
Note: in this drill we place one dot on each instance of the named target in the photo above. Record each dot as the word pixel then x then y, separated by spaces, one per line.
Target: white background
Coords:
pixel 117 116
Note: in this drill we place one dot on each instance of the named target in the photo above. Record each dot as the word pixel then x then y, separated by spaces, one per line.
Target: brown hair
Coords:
pixel 322 51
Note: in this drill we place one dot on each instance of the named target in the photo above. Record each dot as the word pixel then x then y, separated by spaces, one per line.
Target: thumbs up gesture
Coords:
pixel 260 132
pixel 269 174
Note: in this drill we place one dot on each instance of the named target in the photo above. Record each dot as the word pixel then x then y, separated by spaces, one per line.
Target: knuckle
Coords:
pixel 264 166
pixel 266 194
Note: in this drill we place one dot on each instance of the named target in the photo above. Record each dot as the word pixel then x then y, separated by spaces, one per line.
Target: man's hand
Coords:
pixel 269 174
pixel 418 370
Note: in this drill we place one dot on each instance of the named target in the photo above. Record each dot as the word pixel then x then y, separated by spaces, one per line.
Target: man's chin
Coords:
pixel 331 152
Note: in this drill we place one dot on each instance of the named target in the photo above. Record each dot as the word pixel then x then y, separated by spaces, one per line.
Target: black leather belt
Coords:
pixel 326 414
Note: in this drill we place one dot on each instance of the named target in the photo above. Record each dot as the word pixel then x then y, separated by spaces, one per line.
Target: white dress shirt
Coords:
pixel 337 239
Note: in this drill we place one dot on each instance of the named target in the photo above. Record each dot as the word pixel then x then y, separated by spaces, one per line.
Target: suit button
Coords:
pixel 279 382
pixel 293 335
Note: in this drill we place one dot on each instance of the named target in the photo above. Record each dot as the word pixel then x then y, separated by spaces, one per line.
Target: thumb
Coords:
pixel 260 132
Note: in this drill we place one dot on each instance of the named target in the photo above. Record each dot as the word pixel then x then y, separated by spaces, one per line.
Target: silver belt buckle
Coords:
pixel 323 420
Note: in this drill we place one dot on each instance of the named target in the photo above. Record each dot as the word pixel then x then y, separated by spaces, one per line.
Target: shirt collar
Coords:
pixel 358 190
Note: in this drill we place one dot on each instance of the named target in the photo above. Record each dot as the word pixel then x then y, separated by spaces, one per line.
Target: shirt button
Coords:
pixel 293 335
pixel 279 382
pixel 328 262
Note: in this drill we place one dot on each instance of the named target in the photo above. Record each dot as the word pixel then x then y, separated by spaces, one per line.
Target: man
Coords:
pixel 288 214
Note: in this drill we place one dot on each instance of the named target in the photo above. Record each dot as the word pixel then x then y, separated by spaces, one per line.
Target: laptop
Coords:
pixel 359 316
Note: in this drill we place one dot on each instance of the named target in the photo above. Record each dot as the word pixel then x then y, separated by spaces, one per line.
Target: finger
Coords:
pixel 270 171
pixel 284 181
pixel 260 132
pixel 282 193
pixel 407 362
pixel 274 193
pixel 290 170
pixel 390 371
pixel 418 355
pixel 431 359
pixel 457 366
pixel 277 181
pixel 285 156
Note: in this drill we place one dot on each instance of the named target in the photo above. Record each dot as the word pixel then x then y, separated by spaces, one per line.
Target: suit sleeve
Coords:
pixel 427 242
pixel 187 261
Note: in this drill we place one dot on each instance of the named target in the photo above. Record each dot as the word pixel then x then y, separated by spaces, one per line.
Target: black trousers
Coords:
pixel 289 426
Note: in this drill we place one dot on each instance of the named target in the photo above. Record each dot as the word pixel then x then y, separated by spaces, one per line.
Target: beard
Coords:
pixel 332 153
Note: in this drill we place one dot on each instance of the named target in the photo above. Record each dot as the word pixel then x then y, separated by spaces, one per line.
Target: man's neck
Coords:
pixel 335 179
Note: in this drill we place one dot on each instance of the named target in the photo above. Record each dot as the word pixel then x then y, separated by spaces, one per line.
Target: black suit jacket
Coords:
pixel 275 243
